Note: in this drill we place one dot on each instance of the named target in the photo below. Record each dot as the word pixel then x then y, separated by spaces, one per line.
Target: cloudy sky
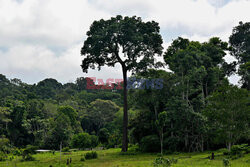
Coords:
pixel 42 38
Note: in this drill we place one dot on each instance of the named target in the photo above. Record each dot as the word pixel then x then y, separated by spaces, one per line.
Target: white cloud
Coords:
pixel 52 23
pixel 196 16
pixel 43 38
pixel 37 62
pixel 33 63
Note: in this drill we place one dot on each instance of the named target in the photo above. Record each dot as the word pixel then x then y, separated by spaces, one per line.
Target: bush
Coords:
pixel 223 150
pixel 53 152
pixel 5 145
pixel 30 149
pixel 3 156
pixel 17 152
pixel 28 157
pixel 134 148
pixel 226 152
pixel 226 162
pixel 248 150
pixel 84 140
pixel 91 155
pixel 82 159
pixel 65 149
pixel 239 149
pixel 11 158
pixel 150 144
pixel 164 162
pixel 174 161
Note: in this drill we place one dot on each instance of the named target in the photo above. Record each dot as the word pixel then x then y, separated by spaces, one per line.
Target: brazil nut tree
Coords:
pixel 125 40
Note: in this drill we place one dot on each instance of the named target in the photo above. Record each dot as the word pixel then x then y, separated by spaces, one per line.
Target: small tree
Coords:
pixel 84 140
pixel 161 123
pixel 60 132
pixel 125 40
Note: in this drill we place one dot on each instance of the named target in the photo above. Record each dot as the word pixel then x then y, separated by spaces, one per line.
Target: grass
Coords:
pixel 114 158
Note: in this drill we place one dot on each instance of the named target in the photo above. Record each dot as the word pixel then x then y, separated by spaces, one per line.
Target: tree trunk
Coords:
pixel 6 126
pixel 60 151
pixel 156 113
pixel 230 141
pixel 186 139
pixel 202 144
pixel 206 91
pixel 161 138
pixel 125 112
pixel 172 127
pixel 229 145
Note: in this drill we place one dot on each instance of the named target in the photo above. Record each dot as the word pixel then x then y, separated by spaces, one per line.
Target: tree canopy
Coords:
pixel 125 40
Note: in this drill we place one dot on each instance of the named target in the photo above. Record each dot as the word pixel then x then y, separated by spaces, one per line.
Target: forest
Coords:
pixel 196 110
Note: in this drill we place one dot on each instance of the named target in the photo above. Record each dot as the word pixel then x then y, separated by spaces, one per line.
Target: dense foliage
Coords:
pixel 50 114
pixel 197 108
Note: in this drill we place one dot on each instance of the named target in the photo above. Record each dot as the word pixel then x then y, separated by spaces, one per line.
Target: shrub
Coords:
pixel 5 145
pixel 150 144
pixel 174 161
pixel 17 152
pixel 11 158
pixel 3 156
pixel 226 162
pixel 239 149
pixel 84 140
pixel 91 155
pixel 30 149
pixel 28 157
pixel 65 149
pixel 226 152
pixel 248 150
pixel 82 159
pixel 134 148
pixel 164 162
pixel 53 152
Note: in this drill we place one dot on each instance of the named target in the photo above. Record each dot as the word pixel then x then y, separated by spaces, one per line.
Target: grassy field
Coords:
pixel 113 158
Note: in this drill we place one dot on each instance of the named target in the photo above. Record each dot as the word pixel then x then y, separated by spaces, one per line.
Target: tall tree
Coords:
pixel 228 113
pixel 240 49
pixel 125 40
pixel 199 69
